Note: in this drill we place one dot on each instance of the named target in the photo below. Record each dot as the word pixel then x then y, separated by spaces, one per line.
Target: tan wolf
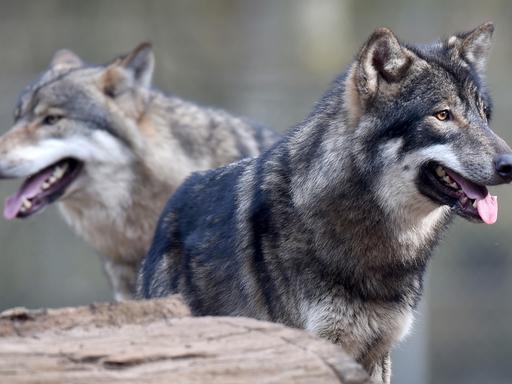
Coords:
pixel 110 149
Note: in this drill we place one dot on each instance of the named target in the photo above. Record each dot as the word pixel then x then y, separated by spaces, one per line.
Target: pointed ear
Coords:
pixel 382 58
pixel 141 64
pixel 65 59
pixel 474 46
pixel 132 70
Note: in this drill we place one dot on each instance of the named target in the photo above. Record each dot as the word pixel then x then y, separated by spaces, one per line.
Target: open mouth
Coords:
pixel 42 189
pixel 468 199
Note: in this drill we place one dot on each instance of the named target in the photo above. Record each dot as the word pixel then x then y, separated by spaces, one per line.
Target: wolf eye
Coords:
pixel 51 119
pixel 17 113
pixel 442 115
pixel 487 112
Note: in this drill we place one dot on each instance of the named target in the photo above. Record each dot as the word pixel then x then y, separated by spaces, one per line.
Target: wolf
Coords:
pixel 109 149
pixel 331 229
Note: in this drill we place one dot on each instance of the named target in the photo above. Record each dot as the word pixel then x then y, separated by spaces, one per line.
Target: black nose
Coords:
pixel 503 164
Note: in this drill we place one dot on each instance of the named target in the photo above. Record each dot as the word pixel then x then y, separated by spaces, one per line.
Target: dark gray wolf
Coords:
pixel 332 228
pixel 110 149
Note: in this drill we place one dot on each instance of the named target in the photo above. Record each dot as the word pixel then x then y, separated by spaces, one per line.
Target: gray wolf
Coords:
pixel 109 149
pixel 331 229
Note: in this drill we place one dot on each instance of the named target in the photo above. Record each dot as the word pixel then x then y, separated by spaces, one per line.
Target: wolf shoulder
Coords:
pixel 200 215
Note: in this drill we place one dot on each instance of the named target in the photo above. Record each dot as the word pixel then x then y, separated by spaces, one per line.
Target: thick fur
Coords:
pixel 328 230
pixel 137 146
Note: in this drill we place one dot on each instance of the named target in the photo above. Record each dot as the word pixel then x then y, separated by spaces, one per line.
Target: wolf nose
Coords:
pixel 503 164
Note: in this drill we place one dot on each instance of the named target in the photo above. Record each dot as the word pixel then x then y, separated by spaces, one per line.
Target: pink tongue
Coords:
pixel 488 209
pixel 486 205
pixel 29 189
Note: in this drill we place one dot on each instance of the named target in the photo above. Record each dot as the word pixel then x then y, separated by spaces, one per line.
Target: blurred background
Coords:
pixel 270 61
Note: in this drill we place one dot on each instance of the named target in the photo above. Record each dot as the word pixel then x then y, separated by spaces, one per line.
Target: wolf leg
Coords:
pixel 386 369
pixel 122 279
pixel 380 371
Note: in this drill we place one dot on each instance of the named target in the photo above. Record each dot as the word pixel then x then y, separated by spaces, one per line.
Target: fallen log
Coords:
pixel 157 341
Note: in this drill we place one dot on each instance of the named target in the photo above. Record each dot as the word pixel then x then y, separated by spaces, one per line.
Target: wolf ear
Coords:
pixel 474 46
pixel 382 57
pixel 65 59
pixel 141 64
pixel 132 70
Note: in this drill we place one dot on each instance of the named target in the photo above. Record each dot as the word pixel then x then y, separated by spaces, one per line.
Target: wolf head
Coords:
pixel 419 116
pixel 74 118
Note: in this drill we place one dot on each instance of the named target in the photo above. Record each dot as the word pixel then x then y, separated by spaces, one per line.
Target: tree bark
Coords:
pixel 157 341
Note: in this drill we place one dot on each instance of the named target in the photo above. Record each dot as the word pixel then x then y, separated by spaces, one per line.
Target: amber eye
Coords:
pixel 51 119
pixel 442 115
pixel 487 113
